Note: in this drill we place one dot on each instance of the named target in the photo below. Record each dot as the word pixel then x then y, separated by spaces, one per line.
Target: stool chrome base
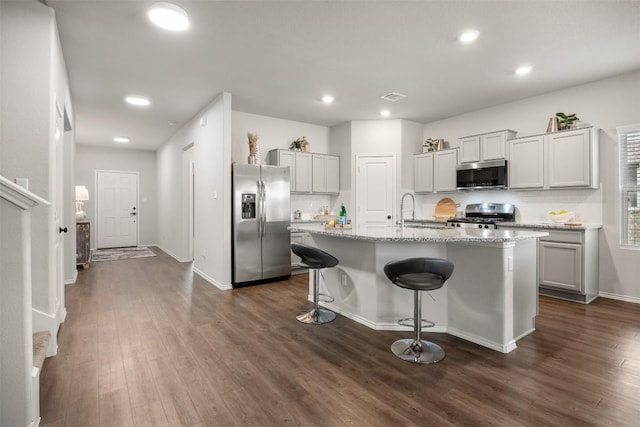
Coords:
pixel 317 316
pixel 414 351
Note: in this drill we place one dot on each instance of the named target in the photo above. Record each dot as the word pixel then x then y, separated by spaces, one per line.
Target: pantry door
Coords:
pixel 375 189
pixel 116 209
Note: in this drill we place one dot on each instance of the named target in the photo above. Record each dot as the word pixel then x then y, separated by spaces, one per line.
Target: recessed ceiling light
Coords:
pixel 141 101
pixel 468 36
pixel 121 139
pixel 525 69
pixel 385 113
pixel 327 99
pixel 169 16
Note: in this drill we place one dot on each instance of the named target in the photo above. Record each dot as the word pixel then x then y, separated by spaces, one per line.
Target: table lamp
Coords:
pixel 82 194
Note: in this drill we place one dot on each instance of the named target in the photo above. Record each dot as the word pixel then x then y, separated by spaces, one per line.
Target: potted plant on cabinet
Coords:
pixel 300 144
pixel 566 121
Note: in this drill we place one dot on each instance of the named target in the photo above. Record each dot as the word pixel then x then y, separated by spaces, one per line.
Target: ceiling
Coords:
pixel 278 58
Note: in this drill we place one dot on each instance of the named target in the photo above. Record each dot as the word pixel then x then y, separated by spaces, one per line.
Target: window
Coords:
pixel 629 141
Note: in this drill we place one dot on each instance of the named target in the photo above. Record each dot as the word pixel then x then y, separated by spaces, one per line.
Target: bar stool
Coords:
pixel 314 259
pixel 418 274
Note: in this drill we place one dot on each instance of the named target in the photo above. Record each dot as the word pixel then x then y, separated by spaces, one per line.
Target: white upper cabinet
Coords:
pixel 423 173
pixel 444 170
pixel 571 159
pixel 470 149
pixel 487 146
pixel 299 168
pixel 326 174
pixel 566 159
pixel 526 162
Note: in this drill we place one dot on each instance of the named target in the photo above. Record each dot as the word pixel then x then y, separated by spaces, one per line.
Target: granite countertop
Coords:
pixel 550 225
pixel 434 235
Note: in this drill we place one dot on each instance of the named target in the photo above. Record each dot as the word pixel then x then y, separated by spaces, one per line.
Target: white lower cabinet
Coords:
pixel 567 263
pixel 298 237
pixel 561 266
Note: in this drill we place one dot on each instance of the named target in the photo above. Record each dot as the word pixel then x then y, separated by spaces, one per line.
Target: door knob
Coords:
pixel 133 213
pixel 388 216
pixel 62 230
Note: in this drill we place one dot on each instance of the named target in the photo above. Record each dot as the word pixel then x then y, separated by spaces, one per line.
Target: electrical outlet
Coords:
pixel 510 263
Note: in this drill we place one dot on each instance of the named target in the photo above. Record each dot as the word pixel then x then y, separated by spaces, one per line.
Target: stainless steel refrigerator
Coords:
pixel 261 220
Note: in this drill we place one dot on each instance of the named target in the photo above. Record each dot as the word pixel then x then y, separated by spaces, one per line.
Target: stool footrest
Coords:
pixel 409 322
pixel 326 298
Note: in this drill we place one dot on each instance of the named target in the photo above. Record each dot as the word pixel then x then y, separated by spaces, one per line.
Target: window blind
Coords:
pixel 629 137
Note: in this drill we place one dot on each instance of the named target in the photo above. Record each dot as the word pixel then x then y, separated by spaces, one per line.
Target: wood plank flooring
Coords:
pixel 148 343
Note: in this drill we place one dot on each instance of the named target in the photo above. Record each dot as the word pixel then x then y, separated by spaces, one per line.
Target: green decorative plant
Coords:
pixel 299 144
pixel 565 121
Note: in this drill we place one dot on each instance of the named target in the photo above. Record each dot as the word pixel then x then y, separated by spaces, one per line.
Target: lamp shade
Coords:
pixel 82 193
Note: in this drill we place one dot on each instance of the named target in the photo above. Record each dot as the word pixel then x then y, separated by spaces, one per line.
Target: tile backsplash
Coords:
pixel 309 205
pixel 531 206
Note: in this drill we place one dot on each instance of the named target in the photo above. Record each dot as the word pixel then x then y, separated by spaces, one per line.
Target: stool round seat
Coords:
pixel 315 259
pixel 418 274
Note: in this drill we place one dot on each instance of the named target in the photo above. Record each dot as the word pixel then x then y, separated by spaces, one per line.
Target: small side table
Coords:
pixel 83 243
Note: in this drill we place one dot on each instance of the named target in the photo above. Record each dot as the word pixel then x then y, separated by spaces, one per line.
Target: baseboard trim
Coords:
pixel 502 348
pixel 72 280
pixel 374 325
pixel 211 280
pixel 625 298
pixel 172 255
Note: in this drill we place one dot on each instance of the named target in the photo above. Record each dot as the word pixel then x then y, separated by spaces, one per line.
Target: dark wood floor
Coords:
pixel 147 343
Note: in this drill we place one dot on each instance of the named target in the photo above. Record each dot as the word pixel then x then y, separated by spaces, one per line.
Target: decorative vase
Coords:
pixel 553 125
pixel 251 160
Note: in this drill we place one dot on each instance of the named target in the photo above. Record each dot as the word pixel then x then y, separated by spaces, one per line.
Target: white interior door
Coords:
pixel 116 209
pixel 375 189
pixel 58 213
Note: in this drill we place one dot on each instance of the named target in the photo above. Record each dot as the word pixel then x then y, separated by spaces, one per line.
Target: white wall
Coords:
pixel 605 104
pixel 210 133
pixel 91 158
pixel 33 80
pixel 273 133
pixel 276 133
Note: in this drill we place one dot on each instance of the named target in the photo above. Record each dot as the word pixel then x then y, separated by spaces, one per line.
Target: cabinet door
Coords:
pixel 319 181
pixel 287 158
pixel 444 166
pixel 296 237
pixel 560 266
pixel 333 174
pixel 470 149
pixel 569 159
pixel 493 146
pixel 526 162
pixel 423 173
pixel 303 172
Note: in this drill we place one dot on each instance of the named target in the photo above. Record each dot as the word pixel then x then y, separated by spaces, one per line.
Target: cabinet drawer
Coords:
pixel 562 236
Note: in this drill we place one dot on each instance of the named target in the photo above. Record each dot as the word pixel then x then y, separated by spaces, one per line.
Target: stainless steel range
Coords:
pixel 484 215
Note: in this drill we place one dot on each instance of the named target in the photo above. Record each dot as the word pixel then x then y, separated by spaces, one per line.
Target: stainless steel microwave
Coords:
pixel 482 175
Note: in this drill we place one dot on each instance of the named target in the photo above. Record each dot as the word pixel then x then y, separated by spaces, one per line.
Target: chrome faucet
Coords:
pixel 413 211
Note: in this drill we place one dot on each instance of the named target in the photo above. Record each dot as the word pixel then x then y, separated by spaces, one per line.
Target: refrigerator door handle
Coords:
pixel 259 207
pixel 263 212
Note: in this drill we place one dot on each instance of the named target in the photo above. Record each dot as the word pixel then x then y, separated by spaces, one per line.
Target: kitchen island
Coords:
pixel 491 299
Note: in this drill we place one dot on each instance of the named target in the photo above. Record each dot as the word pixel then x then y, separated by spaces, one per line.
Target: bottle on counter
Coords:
pixel 343 214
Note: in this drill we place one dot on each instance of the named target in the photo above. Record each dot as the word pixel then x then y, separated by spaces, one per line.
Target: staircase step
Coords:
pixel 40 344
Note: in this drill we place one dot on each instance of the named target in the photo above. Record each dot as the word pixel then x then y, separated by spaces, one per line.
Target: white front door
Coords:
pixel 116 209
pixel 375 189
